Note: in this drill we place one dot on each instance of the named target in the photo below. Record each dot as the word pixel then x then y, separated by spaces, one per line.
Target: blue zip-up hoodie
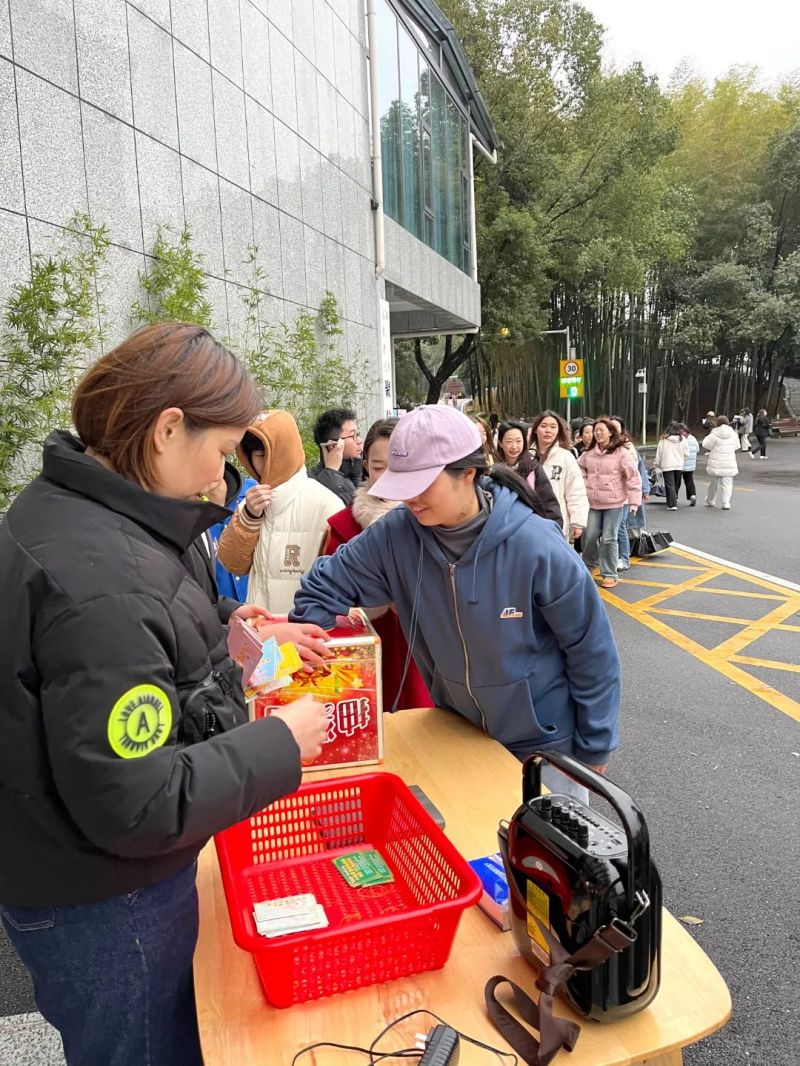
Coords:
pixel 229 584
pixel 514 636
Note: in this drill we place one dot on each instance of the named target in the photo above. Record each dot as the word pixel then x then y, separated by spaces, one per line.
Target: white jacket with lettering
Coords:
pixel 565 476
pixel 279 548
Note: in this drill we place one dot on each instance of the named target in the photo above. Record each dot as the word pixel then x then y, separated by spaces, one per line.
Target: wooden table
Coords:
pixel 474 782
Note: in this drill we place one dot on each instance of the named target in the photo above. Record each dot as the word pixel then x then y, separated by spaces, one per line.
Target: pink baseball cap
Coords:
pixel 422 444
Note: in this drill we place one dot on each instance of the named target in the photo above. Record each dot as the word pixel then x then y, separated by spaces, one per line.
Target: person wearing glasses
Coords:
pixel 339 468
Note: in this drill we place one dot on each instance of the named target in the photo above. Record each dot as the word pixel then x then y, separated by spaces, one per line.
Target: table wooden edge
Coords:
pixel 212 911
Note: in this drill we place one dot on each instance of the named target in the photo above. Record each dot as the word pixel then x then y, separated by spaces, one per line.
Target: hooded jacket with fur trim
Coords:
pixel 280 546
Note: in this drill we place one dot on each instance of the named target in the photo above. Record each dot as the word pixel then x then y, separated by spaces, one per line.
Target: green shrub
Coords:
pixel 50 329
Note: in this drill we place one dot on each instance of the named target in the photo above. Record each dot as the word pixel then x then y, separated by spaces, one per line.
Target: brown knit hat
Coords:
pixel 277 432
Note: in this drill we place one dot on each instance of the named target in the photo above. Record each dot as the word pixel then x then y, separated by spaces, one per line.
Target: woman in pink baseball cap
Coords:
pixel 501 616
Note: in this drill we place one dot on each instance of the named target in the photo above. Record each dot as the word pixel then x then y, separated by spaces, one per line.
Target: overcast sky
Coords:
pixel 713 34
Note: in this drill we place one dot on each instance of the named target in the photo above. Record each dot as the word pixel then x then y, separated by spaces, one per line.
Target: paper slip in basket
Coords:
pixel 289 914
pixel 317 919
pixel 285 907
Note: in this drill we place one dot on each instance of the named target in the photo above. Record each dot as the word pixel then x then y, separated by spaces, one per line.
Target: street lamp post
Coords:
pixel 642 377
pixel 570 355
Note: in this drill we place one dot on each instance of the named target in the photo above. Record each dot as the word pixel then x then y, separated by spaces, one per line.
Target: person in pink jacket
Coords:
pixel 613 484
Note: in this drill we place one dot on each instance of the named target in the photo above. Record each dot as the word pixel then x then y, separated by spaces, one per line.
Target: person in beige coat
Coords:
pixel 280 526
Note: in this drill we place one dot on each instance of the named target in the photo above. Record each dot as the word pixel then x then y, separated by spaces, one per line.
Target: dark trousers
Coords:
pixel 115 978
pixel 761 445
pixel 672 482
pixel 688 480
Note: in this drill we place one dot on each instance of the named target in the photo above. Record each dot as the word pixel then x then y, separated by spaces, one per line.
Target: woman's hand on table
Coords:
pixel 308 724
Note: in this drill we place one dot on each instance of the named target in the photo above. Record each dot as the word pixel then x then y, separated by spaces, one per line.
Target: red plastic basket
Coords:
pixel 375 934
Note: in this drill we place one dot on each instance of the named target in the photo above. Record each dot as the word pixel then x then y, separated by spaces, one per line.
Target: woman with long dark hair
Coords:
pixel 512 443
pixel 613 486
pixel 551 446
pixel 468 551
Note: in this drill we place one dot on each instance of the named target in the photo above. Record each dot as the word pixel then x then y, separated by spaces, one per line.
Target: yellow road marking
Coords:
pixel 666 566
pixel 733 645
pixel 748 660
pixel 650 584
pixel 711 658
pixel 760 581
pixel 725 658
pixel 746 595
pixel 674 590
pixel 704 617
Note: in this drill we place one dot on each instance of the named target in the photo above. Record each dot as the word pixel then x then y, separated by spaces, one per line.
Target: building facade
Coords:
pixel 250 122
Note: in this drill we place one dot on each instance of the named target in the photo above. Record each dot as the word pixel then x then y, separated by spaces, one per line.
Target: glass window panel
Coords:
pixel 454 221
pixel 427 172
pixel 409 124
pixel 389 104
pixel 427 43
pixel 424 142
pixel 466 265
pixel 439 154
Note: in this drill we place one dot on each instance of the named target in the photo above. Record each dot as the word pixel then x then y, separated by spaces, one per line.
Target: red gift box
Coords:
pixel 350 685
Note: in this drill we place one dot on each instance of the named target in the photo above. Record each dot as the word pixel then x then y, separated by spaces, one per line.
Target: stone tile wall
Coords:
pixel 246 120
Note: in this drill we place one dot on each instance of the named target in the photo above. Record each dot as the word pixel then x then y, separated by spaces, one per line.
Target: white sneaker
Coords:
pixel 752 456
pixel 707 503
pixel 726 507
pixel 762 457
pixel 672 508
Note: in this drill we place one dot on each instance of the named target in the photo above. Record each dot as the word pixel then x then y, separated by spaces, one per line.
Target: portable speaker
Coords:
pixel 576 878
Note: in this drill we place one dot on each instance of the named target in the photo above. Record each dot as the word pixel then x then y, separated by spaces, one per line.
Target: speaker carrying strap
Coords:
pixel 554 1032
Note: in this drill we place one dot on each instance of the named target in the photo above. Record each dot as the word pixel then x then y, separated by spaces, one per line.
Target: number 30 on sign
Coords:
pixel 571 379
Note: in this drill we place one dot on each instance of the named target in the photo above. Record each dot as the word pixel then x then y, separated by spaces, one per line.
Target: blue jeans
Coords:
pixel 623 540
pixel 601 540
pixel 115 978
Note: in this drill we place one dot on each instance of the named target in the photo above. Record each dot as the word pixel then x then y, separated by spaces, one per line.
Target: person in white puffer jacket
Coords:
pixel 722 443
pixel 671 455
pixel 550 441
pixel 278 530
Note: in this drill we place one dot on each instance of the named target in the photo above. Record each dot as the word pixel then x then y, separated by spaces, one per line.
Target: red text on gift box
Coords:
pixel 349 684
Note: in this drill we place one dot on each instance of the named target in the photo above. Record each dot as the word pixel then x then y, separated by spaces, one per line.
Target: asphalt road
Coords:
pixel 762 529
pixel 713 768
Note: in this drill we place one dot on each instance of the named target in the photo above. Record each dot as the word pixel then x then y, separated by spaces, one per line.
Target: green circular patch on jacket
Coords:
pixel 140 721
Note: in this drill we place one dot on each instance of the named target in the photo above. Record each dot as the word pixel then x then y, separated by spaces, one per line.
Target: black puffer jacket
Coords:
pixel 342 482
pixel 125 743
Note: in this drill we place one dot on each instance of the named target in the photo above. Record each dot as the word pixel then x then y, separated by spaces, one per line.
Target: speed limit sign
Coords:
pixel 571 378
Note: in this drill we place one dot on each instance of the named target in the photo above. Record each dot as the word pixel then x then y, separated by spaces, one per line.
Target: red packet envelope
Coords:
pixel 349 684
pixel 244 647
